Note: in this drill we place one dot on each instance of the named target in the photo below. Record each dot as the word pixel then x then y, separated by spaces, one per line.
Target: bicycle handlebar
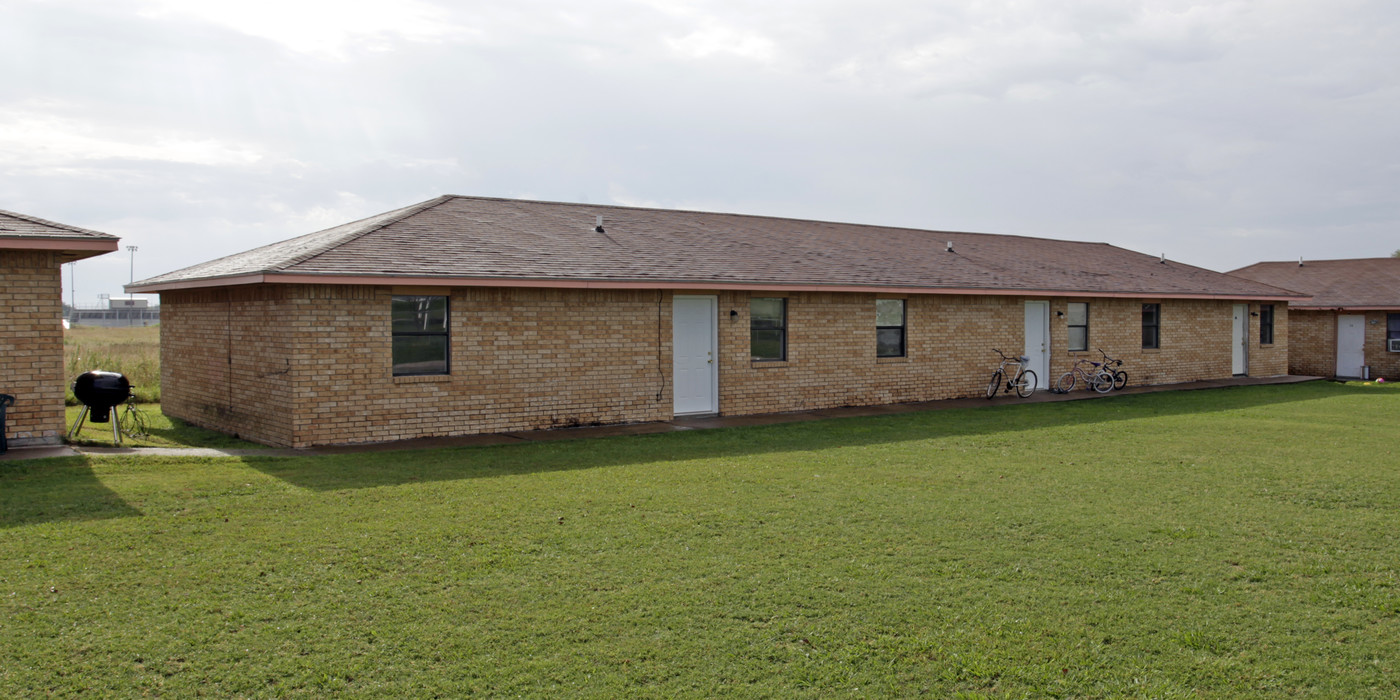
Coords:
pixel 1108 360
pixel 1020 358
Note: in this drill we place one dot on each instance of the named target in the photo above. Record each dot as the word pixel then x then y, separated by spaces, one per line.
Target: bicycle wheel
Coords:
pixel 1102 381
pixel 1120 379
pixel 133 422
pixel 995 385
pixel 1025 383
pixel 1066 383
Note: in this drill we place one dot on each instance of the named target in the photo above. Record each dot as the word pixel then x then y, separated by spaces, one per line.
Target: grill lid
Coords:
pixel 101 389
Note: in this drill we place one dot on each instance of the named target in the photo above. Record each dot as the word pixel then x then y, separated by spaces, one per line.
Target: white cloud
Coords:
pixel 345 207
pixel 323 27
pixel 36 137
pixel 716 40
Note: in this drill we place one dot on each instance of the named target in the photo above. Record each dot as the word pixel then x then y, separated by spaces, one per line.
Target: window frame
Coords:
pixel 1392 328
pixel 1155 326
pixel 445 334
pixel 782 329
pixel 1071 325
pixel 1266 324
pixel 902 328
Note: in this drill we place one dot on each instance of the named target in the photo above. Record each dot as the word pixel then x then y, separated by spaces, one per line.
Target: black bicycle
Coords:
pixel 1112 366
pixel 1021 380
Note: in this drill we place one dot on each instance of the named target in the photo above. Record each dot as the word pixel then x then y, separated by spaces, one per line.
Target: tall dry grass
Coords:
pixel 133 351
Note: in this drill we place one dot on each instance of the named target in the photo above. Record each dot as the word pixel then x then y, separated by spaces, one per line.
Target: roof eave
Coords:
pixel 268 277
pixel 1349 307
pixel 70 248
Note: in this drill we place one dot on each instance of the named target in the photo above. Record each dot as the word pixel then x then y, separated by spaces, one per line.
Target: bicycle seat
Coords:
pixel 1024 360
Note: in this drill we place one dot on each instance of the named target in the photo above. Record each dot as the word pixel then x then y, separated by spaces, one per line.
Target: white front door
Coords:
pixel 1038 341
pixel 1239 341
pixel 1351 345
pixel 695 375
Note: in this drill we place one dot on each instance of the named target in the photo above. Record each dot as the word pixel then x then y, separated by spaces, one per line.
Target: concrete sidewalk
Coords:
pixel 684 423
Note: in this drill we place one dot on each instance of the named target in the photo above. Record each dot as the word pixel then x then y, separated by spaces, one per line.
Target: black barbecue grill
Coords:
pixel 99 393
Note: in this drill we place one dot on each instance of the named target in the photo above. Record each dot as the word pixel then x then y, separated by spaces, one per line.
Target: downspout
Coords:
pixel 660 371
pixel 228 346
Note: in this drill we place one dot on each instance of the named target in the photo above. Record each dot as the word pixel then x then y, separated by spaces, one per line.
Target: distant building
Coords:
pixel 118 312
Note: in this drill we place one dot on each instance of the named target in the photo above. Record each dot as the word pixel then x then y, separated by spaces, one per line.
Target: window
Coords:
pixel 1078 325
pixel 768 329
pixel 1151 326
pixel 419 335
pixel 889 328
pixel 1392 328
pixel 1266 324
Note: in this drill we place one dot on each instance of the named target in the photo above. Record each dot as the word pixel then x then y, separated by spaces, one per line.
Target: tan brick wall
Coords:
pixel 1314 344
pixel 1195 343
pixel 1383 363
pixel 311 365
pixel 31 346
pixel 226 359
pixel 831 348
pixel 831 351
pixel 522 359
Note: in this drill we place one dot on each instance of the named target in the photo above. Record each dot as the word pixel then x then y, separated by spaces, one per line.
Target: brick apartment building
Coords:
pixel 1351 325
pixel 32 252
pixel 464 315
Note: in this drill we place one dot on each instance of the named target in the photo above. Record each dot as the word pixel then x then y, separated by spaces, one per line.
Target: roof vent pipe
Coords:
pixel 1164 259
pixel 1300 261
pixel 599 226
pixel 950 246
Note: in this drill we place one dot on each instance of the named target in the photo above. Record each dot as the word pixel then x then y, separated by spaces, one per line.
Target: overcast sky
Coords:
pixel 1219 133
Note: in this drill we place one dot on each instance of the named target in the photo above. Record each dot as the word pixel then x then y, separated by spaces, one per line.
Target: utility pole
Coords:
pixel 132 250
pixel 72 290
pixel 131 295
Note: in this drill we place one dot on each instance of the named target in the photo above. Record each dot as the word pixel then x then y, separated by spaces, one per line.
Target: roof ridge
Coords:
pixel 1307 261
pixel 353 234
pixel 55 224
pixel 771 217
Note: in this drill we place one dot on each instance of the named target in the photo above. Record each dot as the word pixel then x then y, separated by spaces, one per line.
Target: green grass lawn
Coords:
pixel 158 431
pixel 1224 543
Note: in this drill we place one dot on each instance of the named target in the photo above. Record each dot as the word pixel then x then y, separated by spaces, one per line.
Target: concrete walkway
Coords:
pixel 684 423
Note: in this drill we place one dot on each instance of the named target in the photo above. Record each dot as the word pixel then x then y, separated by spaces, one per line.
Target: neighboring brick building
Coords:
pixel 1347 328
pixel 466 315
pixel 31 320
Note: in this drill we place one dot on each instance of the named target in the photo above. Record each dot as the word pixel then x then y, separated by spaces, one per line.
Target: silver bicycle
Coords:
pixel 1012 373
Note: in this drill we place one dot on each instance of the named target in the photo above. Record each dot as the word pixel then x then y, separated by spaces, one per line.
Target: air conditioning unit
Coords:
pixel 1393 345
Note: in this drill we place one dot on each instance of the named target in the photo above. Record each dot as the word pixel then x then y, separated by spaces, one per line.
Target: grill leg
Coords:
pixel 78 424
pixel 116 428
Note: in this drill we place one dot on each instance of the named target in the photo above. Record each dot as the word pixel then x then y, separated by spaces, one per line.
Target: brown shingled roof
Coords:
pixel 1363 283
pixel 23 232
pixel 21 225
pixel 454 240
